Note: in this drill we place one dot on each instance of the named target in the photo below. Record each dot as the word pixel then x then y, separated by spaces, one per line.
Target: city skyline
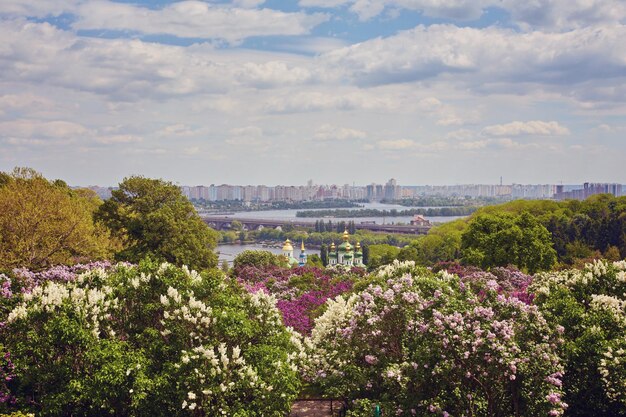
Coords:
pixel 344 91
pixel 389 191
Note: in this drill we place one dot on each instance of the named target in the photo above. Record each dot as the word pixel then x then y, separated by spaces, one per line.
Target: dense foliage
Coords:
pixel 503 239
pixel 155 219
pixel 578 232
pixel 590 305
pixel 440 200
pixel 430 345
pixel 301 292
pixel 148 340
pixel 43 223
pixel 258 259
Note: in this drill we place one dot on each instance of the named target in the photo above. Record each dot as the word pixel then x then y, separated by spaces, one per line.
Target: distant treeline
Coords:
pixel 439 201
pixel 431 212
pixel 531 234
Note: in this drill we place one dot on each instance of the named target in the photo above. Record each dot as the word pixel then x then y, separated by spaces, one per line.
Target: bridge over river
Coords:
pixel 225 223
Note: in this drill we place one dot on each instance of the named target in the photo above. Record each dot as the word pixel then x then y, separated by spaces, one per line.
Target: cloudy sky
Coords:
pixel 339 91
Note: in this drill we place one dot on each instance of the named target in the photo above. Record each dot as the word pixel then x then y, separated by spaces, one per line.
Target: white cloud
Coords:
pixel 565 14
pixel 313 101
pixel 177 130
pixel 397 144
pixel 195 19
pixel 329 132
pixel 38 9
pixel 489 60
pixel 533 127
pixel 272 73
pixel 473 145
pixel 113 139
pixel 129 70
pixel 252 136
pixel 548 14
pixel 36 129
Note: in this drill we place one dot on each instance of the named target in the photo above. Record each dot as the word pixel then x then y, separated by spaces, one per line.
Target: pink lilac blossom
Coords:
pixel 300 291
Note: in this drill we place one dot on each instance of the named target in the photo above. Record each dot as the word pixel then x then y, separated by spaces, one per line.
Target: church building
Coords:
pixel 288 253
pixel 345 253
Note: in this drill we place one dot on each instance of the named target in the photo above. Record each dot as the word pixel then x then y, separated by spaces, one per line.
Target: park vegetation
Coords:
pixel 502 314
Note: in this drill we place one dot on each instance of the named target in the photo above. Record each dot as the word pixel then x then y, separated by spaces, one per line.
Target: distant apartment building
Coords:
pixel 392 190
pixel 533 191
pixel 588 190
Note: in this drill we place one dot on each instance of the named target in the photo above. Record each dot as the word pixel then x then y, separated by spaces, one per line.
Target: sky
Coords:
pixel 338 91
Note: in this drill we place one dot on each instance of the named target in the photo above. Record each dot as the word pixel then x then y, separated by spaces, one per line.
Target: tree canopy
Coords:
pixel 154 219
pixel 503 239
pixel 43 223
pixel 259 259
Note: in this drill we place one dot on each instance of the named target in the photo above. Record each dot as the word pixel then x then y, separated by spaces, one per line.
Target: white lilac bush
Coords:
pixel 425 345
pixel 590 305
pixel 150 340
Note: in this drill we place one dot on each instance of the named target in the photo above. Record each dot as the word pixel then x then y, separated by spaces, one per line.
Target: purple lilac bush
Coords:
pixel 512 282
pixel 301 292
pixel 26 279
pixel 6 375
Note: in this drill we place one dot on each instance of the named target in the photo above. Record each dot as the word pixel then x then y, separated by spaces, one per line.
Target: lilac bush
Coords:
pixel 590 306
pixel 148 340
pixel 427 344
pixel 511 280
pixel 6 375
pixel 301 292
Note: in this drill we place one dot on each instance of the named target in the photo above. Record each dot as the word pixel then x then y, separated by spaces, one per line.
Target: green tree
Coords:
pixel 236 225
pixel 351 228
pixel 324 254
pixel 381 255
pixel 44 223
pixel 155 219
pixel 314 260
pixel 258 258
pixel 502 239
pixel 366 254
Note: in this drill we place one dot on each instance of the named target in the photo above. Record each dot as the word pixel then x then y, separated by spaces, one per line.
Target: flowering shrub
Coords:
pixel 301 292
pixel 430 345
pixel 6 375
pixel 150 340
pixel 511 280
pixel 27 279
pixel 590 305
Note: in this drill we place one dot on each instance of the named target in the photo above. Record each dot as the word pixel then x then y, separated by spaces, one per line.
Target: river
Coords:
pixel 228 252
pixel 290 215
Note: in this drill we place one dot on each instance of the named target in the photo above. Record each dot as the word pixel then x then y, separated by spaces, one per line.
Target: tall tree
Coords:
pixel 366 254
pixel 502 239
pixel 324 254
pixel 155 219
pixel 43 223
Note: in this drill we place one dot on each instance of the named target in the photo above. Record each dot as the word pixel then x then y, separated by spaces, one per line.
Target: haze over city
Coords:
pixel 343 91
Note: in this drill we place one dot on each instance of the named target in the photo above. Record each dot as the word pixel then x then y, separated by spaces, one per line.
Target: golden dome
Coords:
pixel 358 245
pixel 332 246
pixel 302 246
pixel 346 235
pixel 287 246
